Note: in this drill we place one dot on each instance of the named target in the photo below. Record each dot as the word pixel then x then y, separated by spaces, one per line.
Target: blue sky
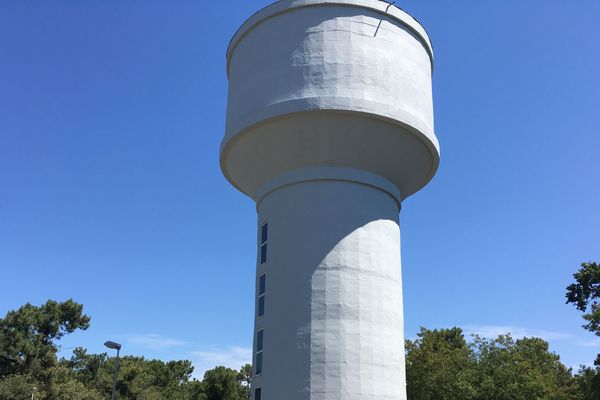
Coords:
pixel 111 116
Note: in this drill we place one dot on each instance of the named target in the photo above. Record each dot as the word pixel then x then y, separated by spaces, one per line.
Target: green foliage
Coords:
pixel 584 294
pixel 520 370
pixel 154 379
pixel 245 380
pixel 89 369
pixel 28 336
pixel 222 384
pixel 441 365
pixel 586 289
pixel 588 382
pixel 19 387
pixel 138 378
pixel 74 390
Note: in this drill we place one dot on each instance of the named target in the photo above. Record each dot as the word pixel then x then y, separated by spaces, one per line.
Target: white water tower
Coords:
pixel 329 128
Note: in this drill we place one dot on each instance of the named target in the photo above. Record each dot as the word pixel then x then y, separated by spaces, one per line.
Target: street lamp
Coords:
pixel 117 347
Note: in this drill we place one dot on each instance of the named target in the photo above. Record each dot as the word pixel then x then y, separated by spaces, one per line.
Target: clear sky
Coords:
pixel 111 116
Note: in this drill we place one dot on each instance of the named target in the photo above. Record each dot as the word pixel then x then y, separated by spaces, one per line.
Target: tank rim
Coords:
pixel 283 6
pixel 432 147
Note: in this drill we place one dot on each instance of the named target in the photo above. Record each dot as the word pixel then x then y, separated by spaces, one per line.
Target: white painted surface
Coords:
pixel 333 324
pixel 330 83
pixel 329 127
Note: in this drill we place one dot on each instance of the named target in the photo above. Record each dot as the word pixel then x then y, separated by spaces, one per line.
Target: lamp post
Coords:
pixel 117 347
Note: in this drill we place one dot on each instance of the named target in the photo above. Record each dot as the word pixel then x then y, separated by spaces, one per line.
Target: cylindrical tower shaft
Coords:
pixel 330 289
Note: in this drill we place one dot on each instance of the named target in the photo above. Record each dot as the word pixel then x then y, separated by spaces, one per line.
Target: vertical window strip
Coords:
pixel 264 240
pixel 261 306
pixel 262 292
pixel 263 253
pixel 259 340
pixel 262 284
pixel 259 362
pixel 264 233
pixel 259 352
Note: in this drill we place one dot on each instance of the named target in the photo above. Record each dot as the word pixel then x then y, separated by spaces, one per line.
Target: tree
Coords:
pixel 222 383
pixel 138 378
pixel 29 341
pixel 588 381
pixel 584 294
pixel 29 337
pixel 520 370
pixel 86 368
pixel 70 389
pixel 442 365
pixel 19 387
pixel 141 379
pixel 195 390
pixel 439 366
pixel 245 380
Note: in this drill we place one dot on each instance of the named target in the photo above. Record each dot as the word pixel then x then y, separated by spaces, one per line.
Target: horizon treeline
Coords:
pixel 440 365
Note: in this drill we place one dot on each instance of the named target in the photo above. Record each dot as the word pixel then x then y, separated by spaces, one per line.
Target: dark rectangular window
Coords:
pixel 259 340
pixel 264 238
pixel 262 284
pixel 262 289
pixel 259 352
pixel 263 253
pixel 259 360
pixel 258 394
pixel 264 233
pixel 261 306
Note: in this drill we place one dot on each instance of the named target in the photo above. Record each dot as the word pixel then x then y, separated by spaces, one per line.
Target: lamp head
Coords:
pixel 113 345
